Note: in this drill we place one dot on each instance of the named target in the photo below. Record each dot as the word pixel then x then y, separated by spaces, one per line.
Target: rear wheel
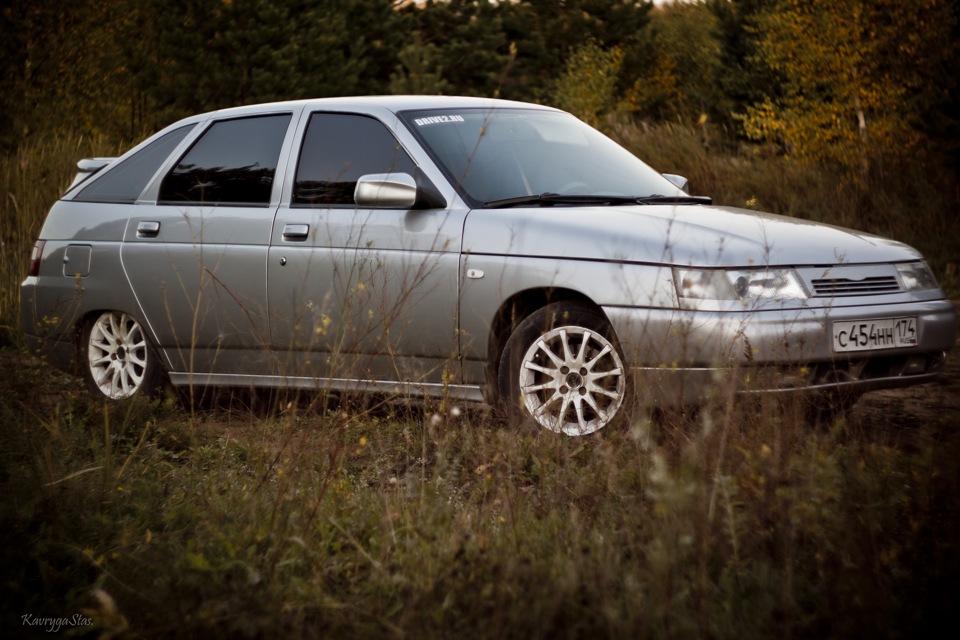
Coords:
pixel 562 370
pixel 118 361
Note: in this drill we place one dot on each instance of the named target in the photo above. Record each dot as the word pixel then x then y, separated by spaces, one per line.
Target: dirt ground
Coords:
pixel 900 409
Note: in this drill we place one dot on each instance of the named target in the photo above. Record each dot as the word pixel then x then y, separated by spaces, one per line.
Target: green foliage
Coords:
pixel 420 71
pixel 546 32
pixel 682 80
pixel 744 77
pixel 850 83
pixel 586 86
pixel 205 54
pixel 464 39
pixel 62 71
pixel 128 67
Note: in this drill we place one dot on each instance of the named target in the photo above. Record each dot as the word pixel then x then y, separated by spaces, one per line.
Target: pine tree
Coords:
pixel 465 39
pixel 547 32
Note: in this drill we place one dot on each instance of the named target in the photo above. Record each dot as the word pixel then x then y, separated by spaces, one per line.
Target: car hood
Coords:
pixel 680 235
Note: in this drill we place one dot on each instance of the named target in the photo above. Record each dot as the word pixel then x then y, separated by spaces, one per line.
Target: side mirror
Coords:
pixel 678 181
pixel 397 191
pixel 386 190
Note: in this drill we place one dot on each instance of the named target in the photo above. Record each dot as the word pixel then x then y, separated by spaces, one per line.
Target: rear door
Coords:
pixel 196 258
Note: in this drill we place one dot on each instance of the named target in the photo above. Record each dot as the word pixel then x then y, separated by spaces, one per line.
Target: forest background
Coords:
pixel 837 110
pixel 299 517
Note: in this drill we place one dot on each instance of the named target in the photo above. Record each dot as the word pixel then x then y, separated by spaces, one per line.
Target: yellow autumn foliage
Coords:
pixel 850 71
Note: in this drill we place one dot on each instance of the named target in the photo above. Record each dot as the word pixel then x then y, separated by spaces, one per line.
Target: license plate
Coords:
pixel 883 333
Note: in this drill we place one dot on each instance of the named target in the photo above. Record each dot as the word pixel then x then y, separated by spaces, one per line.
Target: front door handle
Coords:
pixel 148 229
pixel 295 232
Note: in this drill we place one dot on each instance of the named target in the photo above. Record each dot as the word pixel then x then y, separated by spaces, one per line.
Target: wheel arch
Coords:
pixel 511 313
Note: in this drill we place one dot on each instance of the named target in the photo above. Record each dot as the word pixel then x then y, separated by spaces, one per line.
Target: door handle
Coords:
pixel 148 229
pixel 295 232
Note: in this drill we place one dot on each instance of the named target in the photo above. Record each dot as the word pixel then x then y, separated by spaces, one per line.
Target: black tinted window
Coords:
pixel 126 181
pixel 337 150
pixel 233 162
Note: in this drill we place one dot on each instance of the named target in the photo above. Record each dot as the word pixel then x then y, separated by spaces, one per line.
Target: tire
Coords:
pixel 117 359
pixel 562 370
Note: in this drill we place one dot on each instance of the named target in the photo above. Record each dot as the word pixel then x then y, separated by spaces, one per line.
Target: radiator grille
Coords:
pixel 871 286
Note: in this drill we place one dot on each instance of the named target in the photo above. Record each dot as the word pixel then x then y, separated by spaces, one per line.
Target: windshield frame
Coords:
pixel 417 120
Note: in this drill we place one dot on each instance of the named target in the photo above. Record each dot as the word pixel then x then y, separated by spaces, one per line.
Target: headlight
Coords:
pixel 916 276
pixel 744 285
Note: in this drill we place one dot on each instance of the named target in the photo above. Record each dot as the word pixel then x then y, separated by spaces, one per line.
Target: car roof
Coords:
pixel 390 103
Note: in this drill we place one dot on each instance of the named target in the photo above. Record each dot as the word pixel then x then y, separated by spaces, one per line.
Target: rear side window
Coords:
pixel 338 148
pixel 233 162
pixel 126 181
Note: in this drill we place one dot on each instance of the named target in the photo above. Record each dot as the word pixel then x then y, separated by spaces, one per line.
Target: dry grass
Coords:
pixel 31 180
pixel 740 521
pixel 914 202
pixel 275 516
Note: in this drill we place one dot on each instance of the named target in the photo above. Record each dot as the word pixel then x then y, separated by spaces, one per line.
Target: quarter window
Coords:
pixel 233 162
pixel 338 149
pixel 125 182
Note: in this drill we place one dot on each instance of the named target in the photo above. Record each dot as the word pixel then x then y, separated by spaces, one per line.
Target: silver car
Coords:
pixel 460 247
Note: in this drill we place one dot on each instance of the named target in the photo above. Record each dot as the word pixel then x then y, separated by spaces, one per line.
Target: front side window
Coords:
pixel 233 162
pixel 125 182
pixel 339 148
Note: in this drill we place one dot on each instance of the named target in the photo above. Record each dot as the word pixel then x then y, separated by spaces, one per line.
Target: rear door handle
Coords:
pixel 295 232
pixel 148 229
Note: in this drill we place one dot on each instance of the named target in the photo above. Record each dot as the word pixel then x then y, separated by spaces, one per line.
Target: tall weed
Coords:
pixel 316 519
pixel 31 180
pixel 738 521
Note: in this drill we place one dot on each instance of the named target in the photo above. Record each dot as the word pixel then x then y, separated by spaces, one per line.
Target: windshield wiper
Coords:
pixel 658 199
pixel 550 199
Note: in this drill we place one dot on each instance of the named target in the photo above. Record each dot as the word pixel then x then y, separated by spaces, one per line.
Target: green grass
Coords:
pixel 335 520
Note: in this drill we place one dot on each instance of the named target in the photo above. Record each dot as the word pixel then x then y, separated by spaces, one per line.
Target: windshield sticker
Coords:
pixel 437 120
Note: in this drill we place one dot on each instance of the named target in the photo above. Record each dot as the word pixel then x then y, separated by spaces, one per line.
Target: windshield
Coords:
pixel 499 154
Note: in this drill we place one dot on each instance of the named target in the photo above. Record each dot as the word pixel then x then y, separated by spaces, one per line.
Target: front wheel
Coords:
pixel 562 369
pixel 118 361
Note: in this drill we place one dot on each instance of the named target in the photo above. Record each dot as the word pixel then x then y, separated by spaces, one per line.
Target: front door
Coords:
pixel 359 294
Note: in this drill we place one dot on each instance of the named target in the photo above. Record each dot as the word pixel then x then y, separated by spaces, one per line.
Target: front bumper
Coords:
pixel 684 357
